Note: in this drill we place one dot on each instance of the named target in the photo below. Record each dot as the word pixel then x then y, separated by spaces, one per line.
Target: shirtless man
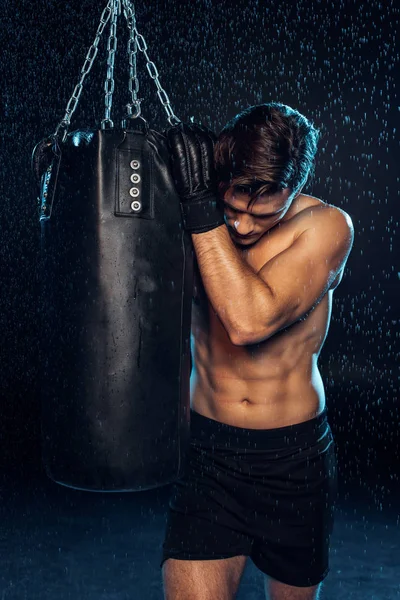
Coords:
pixel 261 474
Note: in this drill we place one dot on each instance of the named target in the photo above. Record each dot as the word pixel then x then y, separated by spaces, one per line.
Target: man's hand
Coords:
pixel 192 156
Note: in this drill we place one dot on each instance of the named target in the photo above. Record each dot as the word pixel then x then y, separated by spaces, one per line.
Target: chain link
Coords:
pixel 91 55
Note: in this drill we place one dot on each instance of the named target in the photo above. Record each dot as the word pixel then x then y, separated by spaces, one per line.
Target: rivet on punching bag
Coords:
pixel 116 293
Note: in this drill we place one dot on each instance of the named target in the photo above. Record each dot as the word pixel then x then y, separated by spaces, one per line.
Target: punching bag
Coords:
pixel 116 289
pixel 116 279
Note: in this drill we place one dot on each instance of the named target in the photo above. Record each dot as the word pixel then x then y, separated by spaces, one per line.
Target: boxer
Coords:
pixel 261 476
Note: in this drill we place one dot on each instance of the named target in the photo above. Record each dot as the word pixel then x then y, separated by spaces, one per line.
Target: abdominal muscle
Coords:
pixel 271 384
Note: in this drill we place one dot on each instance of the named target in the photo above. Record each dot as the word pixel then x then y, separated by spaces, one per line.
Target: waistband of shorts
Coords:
pixel 209 431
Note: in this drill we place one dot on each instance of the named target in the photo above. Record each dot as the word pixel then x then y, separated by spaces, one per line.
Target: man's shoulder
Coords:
pixel 328 230
pixel 317 213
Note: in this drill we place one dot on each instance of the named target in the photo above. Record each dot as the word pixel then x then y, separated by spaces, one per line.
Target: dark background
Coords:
pixel 337 63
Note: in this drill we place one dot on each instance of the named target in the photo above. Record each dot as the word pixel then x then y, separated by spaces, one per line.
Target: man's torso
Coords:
pixel 267 385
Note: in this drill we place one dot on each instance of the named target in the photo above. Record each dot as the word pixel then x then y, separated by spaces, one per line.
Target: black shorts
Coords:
pixel 264 493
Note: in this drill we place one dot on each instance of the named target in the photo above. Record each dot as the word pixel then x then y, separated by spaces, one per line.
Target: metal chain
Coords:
pixel 91 55
pixel 136 41
pixel 129 13
pixel 111 48
pixel 151 67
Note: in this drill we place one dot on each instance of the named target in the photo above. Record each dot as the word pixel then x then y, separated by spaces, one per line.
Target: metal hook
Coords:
pixel 138 109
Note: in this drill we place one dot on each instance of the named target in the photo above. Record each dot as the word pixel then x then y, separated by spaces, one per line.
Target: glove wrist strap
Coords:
pixel 203 214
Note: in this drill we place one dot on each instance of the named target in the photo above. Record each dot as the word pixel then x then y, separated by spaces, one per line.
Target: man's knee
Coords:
pixel 276 590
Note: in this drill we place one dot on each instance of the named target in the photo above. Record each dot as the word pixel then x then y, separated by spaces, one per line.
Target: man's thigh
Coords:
pixel 294 513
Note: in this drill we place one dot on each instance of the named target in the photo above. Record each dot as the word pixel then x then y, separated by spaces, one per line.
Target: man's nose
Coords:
pixel 243 225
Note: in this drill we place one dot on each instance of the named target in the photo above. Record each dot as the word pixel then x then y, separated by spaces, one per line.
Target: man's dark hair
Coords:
pixel 267 147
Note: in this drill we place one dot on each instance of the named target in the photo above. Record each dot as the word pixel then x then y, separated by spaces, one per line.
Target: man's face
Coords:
pixel 264 213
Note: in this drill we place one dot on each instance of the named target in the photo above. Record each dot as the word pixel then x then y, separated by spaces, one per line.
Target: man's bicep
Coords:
pixel 300 276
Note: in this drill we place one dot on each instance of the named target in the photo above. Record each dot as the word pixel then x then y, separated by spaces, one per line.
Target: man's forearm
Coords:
pixel 237 295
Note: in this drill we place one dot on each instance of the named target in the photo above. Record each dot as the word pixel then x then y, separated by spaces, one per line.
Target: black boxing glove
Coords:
pixel 192 156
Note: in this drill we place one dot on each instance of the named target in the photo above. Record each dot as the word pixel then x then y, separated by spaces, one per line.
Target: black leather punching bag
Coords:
pixel 116 291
